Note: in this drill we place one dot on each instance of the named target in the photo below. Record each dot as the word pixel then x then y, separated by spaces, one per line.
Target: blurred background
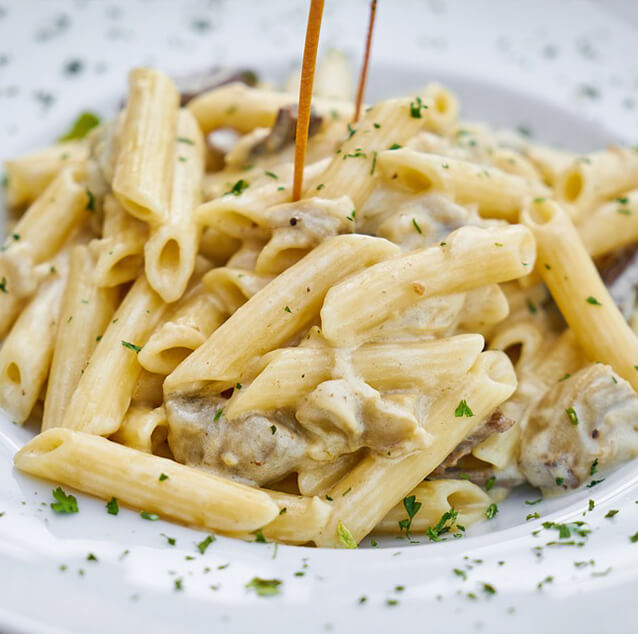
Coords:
pixel 504 57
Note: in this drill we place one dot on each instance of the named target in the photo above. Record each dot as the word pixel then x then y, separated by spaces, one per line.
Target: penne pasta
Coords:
pixel 85 303
pixel 107 469
pixel 144 164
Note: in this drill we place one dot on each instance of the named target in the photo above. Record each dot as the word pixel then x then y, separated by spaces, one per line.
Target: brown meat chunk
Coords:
pixel 496 423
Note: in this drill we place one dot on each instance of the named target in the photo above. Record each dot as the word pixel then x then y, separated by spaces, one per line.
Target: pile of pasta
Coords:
pixel 374 321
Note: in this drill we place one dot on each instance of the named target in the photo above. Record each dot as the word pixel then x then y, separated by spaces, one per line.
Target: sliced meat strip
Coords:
pixel 496 423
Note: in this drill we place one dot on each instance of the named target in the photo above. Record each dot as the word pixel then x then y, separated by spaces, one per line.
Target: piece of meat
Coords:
pixel 496 423
pixel 253 449
pixel 508 478
pixel 194 84
pixel 284 131
pixel 619 271
pixel 591 416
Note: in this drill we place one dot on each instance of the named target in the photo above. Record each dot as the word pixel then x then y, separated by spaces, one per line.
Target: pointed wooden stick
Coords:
pixel 305 92
pixel 366 58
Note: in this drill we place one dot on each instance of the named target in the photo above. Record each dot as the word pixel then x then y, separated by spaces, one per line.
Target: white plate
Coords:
pixel 564 70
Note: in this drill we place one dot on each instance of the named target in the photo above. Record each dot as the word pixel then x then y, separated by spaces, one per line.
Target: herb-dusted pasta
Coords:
pixel 422 331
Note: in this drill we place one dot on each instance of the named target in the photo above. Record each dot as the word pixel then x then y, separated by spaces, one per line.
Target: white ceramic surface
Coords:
pixel 565 71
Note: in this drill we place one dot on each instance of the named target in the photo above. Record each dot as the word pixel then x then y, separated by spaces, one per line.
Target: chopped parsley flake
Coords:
pixel 416 226
pixel 90 203
pixel 634 538
pixel 238 187
pixel 178 584
pixel 264 587
pixel 218 414
pixel 65 504
pixel 412 508
pixel 351 130
pixel 591 505
pixel 564 378
pixel 593 483
pixel 532 502
pixel 443 525
pixel 531 306
pixel 395 146
pixel 490 483
pixel 238 386
pixel 273 429
pixel 594 467
pixel 488 588
pixel 287 309
pixel 352 216
pixel 81 126
pixel 593 301
pixel 611 513
pixel 171 540
pixel 320 186
pixel 272 175
pixel 259 537
pixel 162 477
pixel 145 515
pixel 559 481
pixel 204 544
pixel 463 409
pixel 491 511
pixel 416 106
pixel 3 285
pixel 572 415
pixel 131 346
pixel 460 573
pixel 345 536
pixel 532 516
pixel 112 507
pixel 91 557
pixel 374 163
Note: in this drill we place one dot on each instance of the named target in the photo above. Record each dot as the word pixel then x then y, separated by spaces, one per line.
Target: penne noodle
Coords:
pixel 107 469
pixel 24 367
pixel 144 164
pixel 377 484
pixel 143 428
pixel 438 497
pixel 30 174
pixel 92 408
pixel 470 257
pixel 86 310
pixel 170 252
pixel 497 193
pixel 277 312
pixel 575 285
pixel 194 318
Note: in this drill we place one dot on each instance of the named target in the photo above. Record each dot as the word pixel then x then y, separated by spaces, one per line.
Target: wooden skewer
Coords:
pixel 366 58
pixel 305 93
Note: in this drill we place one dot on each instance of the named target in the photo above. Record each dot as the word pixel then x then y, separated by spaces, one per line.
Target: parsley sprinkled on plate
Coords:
pixel 112 507
pixel 491 511
pixel 205 543
pixel 149 516
pixel 65 503
pixel 265 587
